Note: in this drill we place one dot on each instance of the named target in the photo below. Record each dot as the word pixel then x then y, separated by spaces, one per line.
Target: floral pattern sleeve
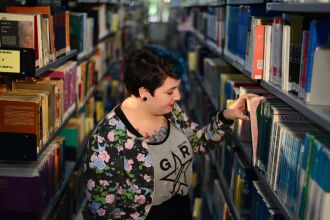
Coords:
pixel 103 173
pixel 201 138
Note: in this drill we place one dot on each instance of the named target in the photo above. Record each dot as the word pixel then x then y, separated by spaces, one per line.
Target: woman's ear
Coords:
pixel 143 92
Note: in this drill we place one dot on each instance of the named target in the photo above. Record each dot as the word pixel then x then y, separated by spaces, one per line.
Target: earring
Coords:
pixel 144 99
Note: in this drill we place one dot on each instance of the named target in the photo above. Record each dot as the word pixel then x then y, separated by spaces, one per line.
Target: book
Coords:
pixel 319 92
pixel 276 48
pixel 284 79
pixel 267 54
pixel 296 24
pixel 319 35
pixel 45 10
pixel 21 114
pixel 252 108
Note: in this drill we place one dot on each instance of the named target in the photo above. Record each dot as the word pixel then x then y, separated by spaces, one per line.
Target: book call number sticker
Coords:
pixel 10 61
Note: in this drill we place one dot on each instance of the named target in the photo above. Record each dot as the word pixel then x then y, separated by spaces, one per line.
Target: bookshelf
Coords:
pixel 213 48
pixel 245 148
pixel 247 152
pixel 83 57
pixel 317 114
pixel 270 192
pixel 299 7
pixel 201 83
pixel 225 191
pixel 107 42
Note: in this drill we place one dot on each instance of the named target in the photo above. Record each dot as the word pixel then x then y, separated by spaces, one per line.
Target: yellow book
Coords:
pixel 192 61
pixel 223 78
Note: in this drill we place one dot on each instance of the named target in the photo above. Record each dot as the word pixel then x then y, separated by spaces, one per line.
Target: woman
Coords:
pixel 139 159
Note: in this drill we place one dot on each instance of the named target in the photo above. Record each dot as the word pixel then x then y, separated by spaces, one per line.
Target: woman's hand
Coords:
pixel 237 109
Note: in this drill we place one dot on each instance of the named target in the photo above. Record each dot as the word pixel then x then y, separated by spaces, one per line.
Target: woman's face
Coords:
pixel 164 97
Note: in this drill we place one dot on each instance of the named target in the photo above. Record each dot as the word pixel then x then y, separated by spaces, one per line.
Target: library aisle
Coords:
pixel 61 73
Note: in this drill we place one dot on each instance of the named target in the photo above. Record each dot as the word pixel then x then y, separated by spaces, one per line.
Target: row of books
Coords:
pixel 210 24
pixel 248 198
pixel 292 153
pixel 40 107
pixel 89 25
pixel 289 51
pixel 278 133
pixel 44 29
pixel 52 31
pixel 232 167
pixel 33 110
pixel 29 187
pixel 280 51
pixel 72 199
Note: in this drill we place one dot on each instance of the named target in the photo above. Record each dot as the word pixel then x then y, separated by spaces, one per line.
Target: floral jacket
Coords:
pixel 119 170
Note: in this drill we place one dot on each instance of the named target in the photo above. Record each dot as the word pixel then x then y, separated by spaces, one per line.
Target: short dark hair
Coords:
pixel 149 67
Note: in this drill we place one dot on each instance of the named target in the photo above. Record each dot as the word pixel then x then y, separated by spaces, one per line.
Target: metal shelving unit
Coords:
pixel 225 191
pixel 287 214
pixel 56 63
pixel 299 7
pixel 318 114
pixel 81 57
pixel 245 148
pixel 244 2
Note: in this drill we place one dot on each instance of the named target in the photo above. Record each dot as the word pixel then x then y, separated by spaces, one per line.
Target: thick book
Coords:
pixel 44 112
pixel 21 114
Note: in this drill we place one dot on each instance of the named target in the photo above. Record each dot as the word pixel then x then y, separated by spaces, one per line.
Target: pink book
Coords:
pixel 252 105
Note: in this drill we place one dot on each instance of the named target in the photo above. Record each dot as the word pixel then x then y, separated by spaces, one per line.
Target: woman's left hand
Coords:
pixel 237 109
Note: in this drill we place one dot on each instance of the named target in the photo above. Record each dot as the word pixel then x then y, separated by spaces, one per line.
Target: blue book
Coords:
pixel 319 35
pixel 232 29
pixel 245 14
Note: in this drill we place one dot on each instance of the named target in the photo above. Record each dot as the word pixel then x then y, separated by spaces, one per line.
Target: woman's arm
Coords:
pixel 209 136
pixel 102 173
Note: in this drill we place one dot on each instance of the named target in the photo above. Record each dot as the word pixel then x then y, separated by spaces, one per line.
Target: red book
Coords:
pixel 258 57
